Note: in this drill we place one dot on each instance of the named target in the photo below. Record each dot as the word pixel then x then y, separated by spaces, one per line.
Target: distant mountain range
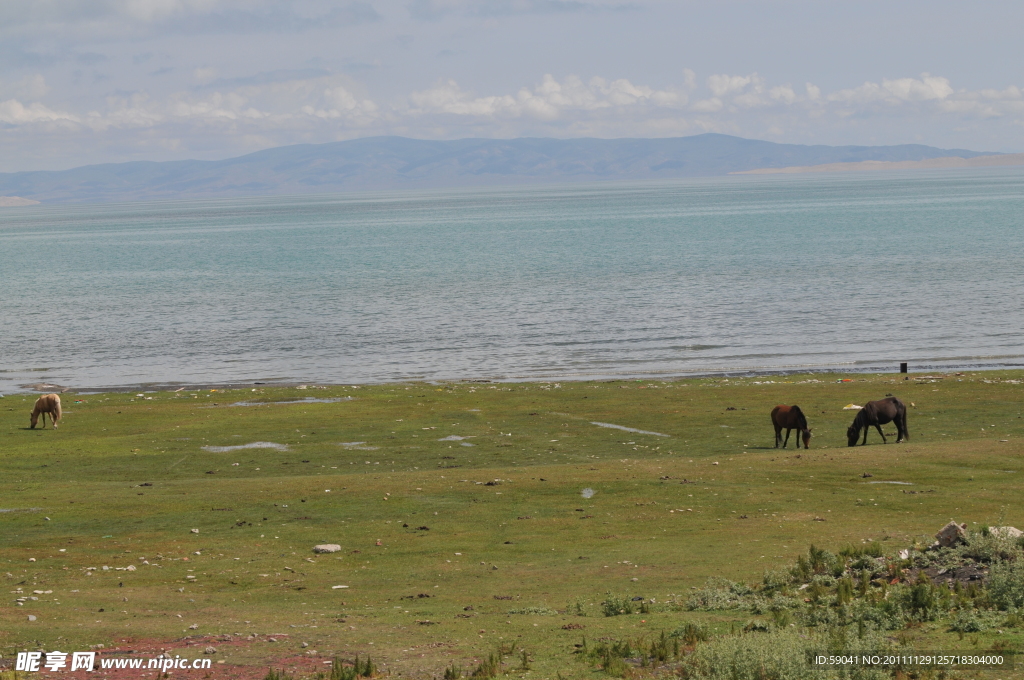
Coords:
pixel 377 163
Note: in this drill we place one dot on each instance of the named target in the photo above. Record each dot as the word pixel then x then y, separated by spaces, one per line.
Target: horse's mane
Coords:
pixel 860 420
pixel 801 418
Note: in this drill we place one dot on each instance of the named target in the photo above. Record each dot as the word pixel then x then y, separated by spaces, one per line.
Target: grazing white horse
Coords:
pixel 48 403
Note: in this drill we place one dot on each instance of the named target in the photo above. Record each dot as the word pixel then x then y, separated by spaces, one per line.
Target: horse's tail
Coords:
pixel 903 410
pixel 55 416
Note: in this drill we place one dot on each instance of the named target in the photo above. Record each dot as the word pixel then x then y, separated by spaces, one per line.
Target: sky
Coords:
pixel 98 81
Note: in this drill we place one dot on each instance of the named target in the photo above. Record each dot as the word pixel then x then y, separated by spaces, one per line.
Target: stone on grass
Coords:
pixel 210 650
pixel 195 531
pixel 1006 532
pixel 326 548
pixel 951 534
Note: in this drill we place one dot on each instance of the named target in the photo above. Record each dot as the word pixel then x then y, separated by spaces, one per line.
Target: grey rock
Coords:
pixel 1006 532
pixel 951 534
pixel 326 548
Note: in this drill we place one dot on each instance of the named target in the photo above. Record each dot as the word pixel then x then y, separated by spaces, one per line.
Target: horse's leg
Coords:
pixel 787 437
pixel 865 442
pixel 879 428
pixel 900 429
pixel 44 419
pixel 778 435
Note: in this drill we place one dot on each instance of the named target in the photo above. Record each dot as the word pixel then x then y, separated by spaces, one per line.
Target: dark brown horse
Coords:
pixel 46 404
pixel 878 413
pixel 791 418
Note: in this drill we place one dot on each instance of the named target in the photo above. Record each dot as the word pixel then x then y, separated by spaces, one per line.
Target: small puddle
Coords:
pixel 253 445
pixel 628 429
pixel 307 400
pixel 452 438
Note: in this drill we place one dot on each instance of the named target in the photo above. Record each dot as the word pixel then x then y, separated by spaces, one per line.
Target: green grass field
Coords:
pixel 461 512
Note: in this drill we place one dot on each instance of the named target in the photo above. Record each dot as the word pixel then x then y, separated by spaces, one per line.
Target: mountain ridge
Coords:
pixel 381 163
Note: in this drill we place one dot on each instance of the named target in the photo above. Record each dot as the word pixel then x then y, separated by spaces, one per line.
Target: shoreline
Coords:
pixel 922 368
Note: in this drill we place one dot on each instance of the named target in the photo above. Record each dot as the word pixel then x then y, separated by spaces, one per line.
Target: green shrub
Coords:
pixel 692 633
pixel 662 649
pixel 339 671
pixel 276 675
pixel 718 593
pixel 576 608
pixel 775 579
pixel 988 548
pixel 781 618
pixel 757 626
pixel 539 611
pixel 488 668
pixel 966 621
pixel 1006 584
pixel 779 655
pixel 616 606
pixel 615 667
pixel 359 669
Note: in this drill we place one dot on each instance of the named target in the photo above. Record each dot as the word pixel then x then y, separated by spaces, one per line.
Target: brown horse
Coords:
pixel 48 403
pixel 879 413
pixel 791 418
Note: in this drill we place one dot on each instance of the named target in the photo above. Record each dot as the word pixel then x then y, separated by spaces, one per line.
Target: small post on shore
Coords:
pixel 903 367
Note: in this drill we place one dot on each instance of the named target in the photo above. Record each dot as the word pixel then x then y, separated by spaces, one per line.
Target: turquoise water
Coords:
pixel 735 274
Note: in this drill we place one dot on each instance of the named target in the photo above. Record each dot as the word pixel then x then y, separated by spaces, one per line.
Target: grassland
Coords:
pixel 444 538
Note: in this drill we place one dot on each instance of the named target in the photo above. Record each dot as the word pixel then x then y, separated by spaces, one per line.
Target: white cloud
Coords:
pixel 13 112
pixel 228 117
pixel 926 88
pixel 722 85
pixel 689 79
pixel 547 101
pixel 783 94
pixel 300 102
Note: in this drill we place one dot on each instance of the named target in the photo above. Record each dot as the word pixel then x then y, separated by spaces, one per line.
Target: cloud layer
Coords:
pixel 108 80
pixel 269 110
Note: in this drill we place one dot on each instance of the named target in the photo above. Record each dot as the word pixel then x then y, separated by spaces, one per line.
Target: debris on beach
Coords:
pixel 852 407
